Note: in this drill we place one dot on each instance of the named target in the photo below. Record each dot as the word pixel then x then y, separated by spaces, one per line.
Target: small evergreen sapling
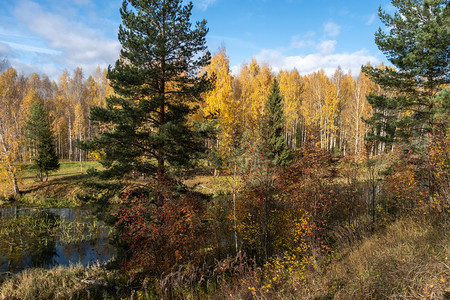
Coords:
pixel 41 140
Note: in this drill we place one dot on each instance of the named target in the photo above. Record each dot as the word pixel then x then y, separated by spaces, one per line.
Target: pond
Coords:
pixel 46 237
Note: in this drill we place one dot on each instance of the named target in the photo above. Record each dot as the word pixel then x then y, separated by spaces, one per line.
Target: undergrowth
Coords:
pixel 408 259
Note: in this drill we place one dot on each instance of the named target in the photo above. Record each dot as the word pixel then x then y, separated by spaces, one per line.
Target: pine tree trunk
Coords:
pixel 162 117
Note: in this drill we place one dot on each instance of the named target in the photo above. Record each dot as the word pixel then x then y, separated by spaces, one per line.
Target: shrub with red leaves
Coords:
pixel 160 228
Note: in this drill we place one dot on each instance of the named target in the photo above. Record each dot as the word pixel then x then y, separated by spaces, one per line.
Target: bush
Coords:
pixel 160 227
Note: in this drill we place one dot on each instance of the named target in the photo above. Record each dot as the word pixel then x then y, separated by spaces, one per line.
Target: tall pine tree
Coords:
pixel 156 85
pixel 41 140
pixel 417 43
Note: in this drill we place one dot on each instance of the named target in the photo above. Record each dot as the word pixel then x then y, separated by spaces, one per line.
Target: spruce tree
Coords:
pixel 271 154
pixel 156 85
pixel 273 142
pixel 417 43
pixel 41 140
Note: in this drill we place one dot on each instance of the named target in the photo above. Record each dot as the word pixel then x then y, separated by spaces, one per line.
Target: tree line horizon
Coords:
pixel 335 107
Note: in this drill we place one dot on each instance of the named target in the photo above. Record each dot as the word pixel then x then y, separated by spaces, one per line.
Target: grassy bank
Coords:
pixel 66 186
pixel 75 282
pixel 407 260
pixel 62 189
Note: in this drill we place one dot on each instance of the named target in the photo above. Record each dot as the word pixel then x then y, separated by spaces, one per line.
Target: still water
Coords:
pixel 32 237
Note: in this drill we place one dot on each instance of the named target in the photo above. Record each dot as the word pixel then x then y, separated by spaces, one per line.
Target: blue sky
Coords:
pixel 48 36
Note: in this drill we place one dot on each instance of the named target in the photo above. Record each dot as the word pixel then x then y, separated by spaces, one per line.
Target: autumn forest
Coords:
pixel 254 184
pixel 333 108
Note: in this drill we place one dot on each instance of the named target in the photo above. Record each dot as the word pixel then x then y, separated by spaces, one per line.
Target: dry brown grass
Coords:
pixel 210 184
pixel 407 260
pixel 74 282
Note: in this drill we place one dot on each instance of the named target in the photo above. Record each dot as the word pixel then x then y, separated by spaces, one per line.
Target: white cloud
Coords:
pixel 69 43
pixel 204 4
pixel 297 43
pixel 235 70
pixel 324 58
pixel 5 50
pixel 371 19
pixel 331 29
pixel 34 49
pixel 327 47
pixel 52 71
pixel 389 8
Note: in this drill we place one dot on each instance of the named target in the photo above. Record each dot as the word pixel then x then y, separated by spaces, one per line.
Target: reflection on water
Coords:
pixel 31 237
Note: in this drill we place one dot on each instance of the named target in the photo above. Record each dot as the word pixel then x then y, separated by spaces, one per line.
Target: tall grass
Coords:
pixel 407 260
pixel 75 282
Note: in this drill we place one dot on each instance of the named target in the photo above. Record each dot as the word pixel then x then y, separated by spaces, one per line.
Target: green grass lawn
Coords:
pixel 61 189
pixel 67 168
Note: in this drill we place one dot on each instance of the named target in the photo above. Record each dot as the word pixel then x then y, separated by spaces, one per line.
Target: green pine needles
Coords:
pixel 272 128
pixel 156 86
pixel 414 109
pixel 417 43
pixel 41 140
